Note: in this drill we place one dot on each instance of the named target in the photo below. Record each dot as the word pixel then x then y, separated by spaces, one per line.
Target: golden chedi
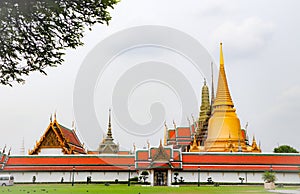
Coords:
pixel 224 129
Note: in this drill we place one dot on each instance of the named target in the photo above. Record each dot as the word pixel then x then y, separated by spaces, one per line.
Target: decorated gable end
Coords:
pixel 58 139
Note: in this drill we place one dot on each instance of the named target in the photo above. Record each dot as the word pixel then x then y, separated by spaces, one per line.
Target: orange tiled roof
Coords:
pixel 142 155
pixel 70 135
pixel 183 132
pixel 171 134
pixel 45 163
pixel 246 159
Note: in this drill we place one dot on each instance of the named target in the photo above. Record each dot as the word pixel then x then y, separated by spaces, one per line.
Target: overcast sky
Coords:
pixel 261 51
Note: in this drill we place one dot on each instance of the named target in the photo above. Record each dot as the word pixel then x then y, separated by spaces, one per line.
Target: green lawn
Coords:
pixel 124 189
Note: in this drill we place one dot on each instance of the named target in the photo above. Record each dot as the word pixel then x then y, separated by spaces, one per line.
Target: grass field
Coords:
pixel 124 189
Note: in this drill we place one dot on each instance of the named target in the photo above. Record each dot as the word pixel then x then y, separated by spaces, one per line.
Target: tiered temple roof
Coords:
pixel 158 157
pixel 58 137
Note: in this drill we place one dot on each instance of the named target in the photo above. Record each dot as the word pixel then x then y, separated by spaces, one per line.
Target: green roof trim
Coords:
pixel 65 127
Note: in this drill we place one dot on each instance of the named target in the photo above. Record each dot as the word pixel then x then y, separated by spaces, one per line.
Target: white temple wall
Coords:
pixel 67 176
pixel 233 177
pixel 227 177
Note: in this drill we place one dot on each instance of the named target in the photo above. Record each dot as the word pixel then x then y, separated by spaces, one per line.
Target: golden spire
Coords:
pixel 221 55
pixel 224 120
pixel 204 114
pixel 212 85
pixel 174 124
pixel 223 95
pixel 205 105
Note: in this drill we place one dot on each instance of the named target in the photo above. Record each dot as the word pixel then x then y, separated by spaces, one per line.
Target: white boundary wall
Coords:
pixel 27 177
pixel 233 177
pixel 226 177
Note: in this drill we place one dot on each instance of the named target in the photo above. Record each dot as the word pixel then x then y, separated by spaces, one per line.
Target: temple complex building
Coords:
pixel 218 127
pixel 58 139
pixel 213 147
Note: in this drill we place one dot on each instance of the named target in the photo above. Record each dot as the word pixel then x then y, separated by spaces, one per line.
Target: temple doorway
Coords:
pixel 160 178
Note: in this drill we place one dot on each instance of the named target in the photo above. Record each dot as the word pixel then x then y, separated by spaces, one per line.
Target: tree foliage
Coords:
pixel 269 177
pixel 285 149
pixel 144 175
pixel 35 33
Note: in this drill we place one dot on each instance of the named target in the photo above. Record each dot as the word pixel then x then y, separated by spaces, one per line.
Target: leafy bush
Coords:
pixel 134 178
pixel 269 177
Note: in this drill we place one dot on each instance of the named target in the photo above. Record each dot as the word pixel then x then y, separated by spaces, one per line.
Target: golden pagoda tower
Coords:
pixel 224 122
pixel 204 115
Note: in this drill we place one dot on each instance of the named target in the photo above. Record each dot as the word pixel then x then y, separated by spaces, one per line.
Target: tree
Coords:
pixel 269 177
pixel 144 175
pixel 35 33
pixel 176 177
pixel 285 149
pixel 181 180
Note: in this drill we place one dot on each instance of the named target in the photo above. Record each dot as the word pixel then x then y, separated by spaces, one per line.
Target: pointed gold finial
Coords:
pixel 212 86
pixel 51 118
pixel 221 54
pixel 174 124
pixel 223 97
